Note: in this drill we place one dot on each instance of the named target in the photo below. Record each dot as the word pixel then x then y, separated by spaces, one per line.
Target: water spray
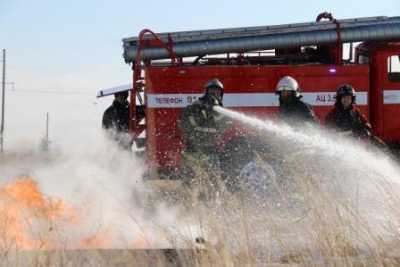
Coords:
pixel 337 179
pixel 324 142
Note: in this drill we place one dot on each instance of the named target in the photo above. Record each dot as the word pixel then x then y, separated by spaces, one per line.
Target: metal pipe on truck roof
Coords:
pixel 379 32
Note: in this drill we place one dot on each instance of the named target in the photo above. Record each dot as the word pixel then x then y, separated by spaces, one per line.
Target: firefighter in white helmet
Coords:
pixel 201 128
pixel 292 109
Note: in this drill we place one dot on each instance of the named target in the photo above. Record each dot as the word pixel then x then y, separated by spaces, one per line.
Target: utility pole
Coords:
pixel 45 142
pixel 47 131
pixel 3 102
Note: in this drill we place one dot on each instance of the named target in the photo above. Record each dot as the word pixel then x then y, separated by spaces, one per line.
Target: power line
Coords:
pixel 52 92
pixel 12 85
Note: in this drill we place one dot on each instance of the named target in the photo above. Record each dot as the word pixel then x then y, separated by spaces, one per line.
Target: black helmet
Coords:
pixel 123 94
pixel 214 83
pixel 343 90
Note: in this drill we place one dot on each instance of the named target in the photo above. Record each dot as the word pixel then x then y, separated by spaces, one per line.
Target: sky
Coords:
pixel 73 48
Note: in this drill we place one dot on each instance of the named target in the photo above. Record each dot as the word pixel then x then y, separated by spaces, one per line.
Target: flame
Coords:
pixel 143 240
pixel 24 210
pixel 31 220
pixel 25 194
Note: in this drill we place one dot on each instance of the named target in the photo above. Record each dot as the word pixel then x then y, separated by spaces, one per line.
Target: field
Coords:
pixel 81 207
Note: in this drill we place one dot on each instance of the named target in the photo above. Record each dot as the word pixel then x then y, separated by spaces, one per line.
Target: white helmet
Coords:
pixel 288 83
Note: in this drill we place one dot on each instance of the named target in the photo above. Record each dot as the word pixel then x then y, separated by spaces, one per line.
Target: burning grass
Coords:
pixel 30 220
pixel 238 230
pixel 24 210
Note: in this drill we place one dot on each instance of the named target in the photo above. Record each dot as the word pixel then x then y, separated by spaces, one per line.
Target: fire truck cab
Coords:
pixel 170 69
pixel 383 59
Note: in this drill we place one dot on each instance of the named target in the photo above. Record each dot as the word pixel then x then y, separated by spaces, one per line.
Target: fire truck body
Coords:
pixel 250 78
pixel 249 89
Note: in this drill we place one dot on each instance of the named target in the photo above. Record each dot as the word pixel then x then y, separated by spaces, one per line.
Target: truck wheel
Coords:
pixel 257 179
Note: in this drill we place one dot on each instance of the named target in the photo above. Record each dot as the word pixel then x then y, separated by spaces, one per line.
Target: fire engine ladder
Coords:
pixel 138 111
pixel 240 40
pixel 137 116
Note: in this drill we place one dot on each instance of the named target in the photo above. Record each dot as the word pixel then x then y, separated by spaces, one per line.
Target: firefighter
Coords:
pixel 116 119
pixel 201 127
pixel 347 119
pixel 292 109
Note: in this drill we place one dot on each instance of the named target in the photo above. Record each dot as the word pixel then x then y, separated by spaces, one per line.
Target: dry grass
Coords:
pixel 310 218
pixel 242 232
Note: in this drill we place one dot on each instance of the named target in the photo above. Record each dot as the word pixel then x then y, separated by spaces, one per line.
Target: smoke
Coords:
pixel 101 182
pixel 87 171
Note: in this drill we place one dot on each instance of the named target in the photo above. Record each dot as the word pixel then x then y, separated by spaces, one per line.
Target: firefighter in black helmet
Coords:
pixel 345 116
pixel 200 124
pixel 201 127
pixel 117 115
pixel 116 119
pixel 347 119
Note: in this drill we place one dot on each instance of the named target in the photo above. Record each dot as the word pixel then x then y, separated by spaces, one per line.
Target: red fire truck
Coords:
pixel 169 70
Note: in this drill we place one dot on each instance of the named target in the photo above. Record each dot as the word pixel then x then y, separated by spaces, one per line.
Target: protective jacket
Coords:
pixel 201 126
pixel 117 117
pixel 349 119
pixel 296 112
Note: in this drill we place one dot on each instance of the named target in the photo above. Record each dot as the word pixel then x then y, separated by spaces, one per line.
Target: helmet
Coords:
pixel 288 83
pixel 345 89
pixel 214 83
pixel 123 94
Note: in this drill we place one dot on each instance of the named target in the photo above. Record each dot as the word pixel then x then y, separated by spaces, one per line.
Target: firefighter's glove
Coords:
pixel 215 101
pixel 363 133
pixel 209 104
